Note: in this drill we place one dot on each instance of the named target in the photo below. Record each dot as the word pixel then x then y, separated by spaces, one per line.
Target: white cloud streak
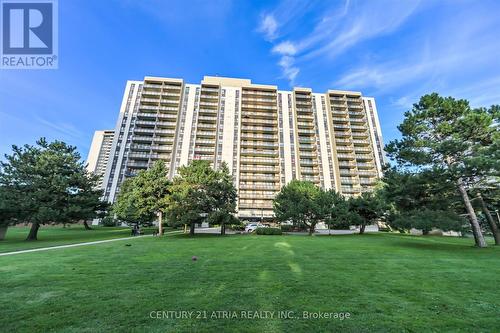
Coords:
pixel 337 31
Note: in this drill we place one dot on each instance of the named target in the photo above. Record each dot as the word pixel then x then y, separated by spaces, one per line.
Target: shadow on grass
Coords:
pixel 431 243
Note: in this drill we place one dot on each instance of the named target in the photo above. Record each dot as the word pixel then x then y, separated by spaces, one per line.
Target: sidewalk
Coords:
pixel 78 244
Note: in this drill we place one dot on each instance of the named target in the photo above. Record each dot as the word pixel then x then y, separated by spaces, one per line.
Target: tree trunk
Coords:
pixel 491 221
pixel 86 225
pixel 362 229
pixel 476 229
pixel 425 232
pixel 33 231
pixel 311 229
pixel 160 223
pixel 3 231
pixel 191 229
pixel 223 229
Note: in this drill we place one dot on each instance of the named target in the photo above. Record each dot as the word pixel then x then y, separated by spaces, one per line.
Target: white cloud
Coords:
pixel 268 27
pixel 285 48
pixel 289 71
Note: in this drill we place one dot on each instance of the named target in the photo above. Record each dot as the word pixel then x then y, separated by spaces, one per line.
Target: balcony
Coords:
pixel 258 186
pixel 259 177
pixel 305 147
pixel 203 142
pixel 152 86
pixel 258 106
pixel 207 119
pixel 307 140
pixel 210 104
pixel 346 156
pixel 250 136
pixel 263 115
pixel 203 150
pixel 250 121
pixel 301 124
pixel 259 129
pixel 359 128
pixel 258 144
pixel 308 162
pixel 309 171
pixel 257 92
pixel 206 134
pixel 261 169
pixel 306 132
pixel 209 89
pixel 361 149
pixel 260 100
pixel 341 119
pixel 365 165
pixel 308 154
pixel 255 152
pixel 259 160
pixel 360 134
pixel 364 157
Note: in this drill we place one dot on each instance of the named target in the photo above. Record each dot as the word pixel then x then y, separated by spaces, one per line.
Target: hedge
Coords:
pixel 268 231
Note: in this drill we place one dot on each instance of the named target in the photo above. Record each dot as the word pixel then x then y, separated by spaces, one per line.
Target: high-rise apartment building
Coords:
pixel 97 161
pixel 267 137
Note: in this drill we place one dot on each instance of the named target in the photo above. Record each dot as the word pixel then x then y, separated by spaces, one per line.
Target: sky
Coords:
pixel 395 51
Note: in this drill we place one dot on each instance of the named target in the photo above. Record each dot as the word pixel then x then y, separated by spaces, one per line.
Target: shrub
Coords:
pixel 108 221
pixel 286 227
pixel 268 231
pixel 237 227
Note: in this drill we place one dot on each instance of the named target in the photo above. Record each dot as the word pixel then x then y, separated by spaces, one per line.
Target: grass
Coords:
pixel 387 282
pixel 53 236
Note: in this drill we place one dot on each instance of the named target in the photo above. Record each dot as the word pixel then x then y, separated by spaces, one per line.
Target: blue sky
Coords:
pixel 394 51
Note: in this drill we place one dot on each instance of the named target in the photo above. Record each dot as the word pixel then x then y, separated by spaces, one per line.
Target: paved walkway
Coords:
pixel 78 244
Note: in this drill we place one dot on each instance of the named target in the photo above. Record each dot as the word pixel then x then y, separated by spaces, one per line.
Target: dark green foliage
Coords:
pixel 47 183
pixel 302 203
pixel 426 220
pixel 449 138
pixel 286 227
pixel 142 197
pixel 268 231
pixel 201 193
pixel 108 221
pixel 366 209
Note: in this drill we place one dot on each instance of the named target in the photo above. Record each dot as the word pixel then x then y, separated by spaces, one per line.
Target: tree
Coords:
pixel 125 207
pixel 366 209
pixel 445 135
pixel 47 183
pixel 85 203
pixel 489 218
pixel 338 214
pixel 201 193
pixel 302 203
pixel 223 194
pixel 426 220
pixel 153 191
pixel 7 211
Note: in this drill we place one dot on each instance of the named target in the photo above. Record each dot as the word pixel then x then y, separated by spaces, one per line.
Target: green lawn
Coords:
pixel 387 282
pixel 53 236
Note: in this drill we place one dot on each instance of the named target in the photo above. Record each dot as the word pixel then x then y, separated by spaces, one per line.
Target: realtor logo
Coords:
pixel 29 34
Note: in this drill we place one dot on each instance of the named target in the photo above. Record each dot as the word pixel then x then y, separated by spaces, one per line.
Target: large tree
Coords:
pixel 153 191
pixel 125 207
pixel 426 220
pixel 302 203
pixel 48 184
pixel 338 214
pixel 449 137
pixel 223 194
pixel 410 192
pixel 366 209
pixel 200 193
